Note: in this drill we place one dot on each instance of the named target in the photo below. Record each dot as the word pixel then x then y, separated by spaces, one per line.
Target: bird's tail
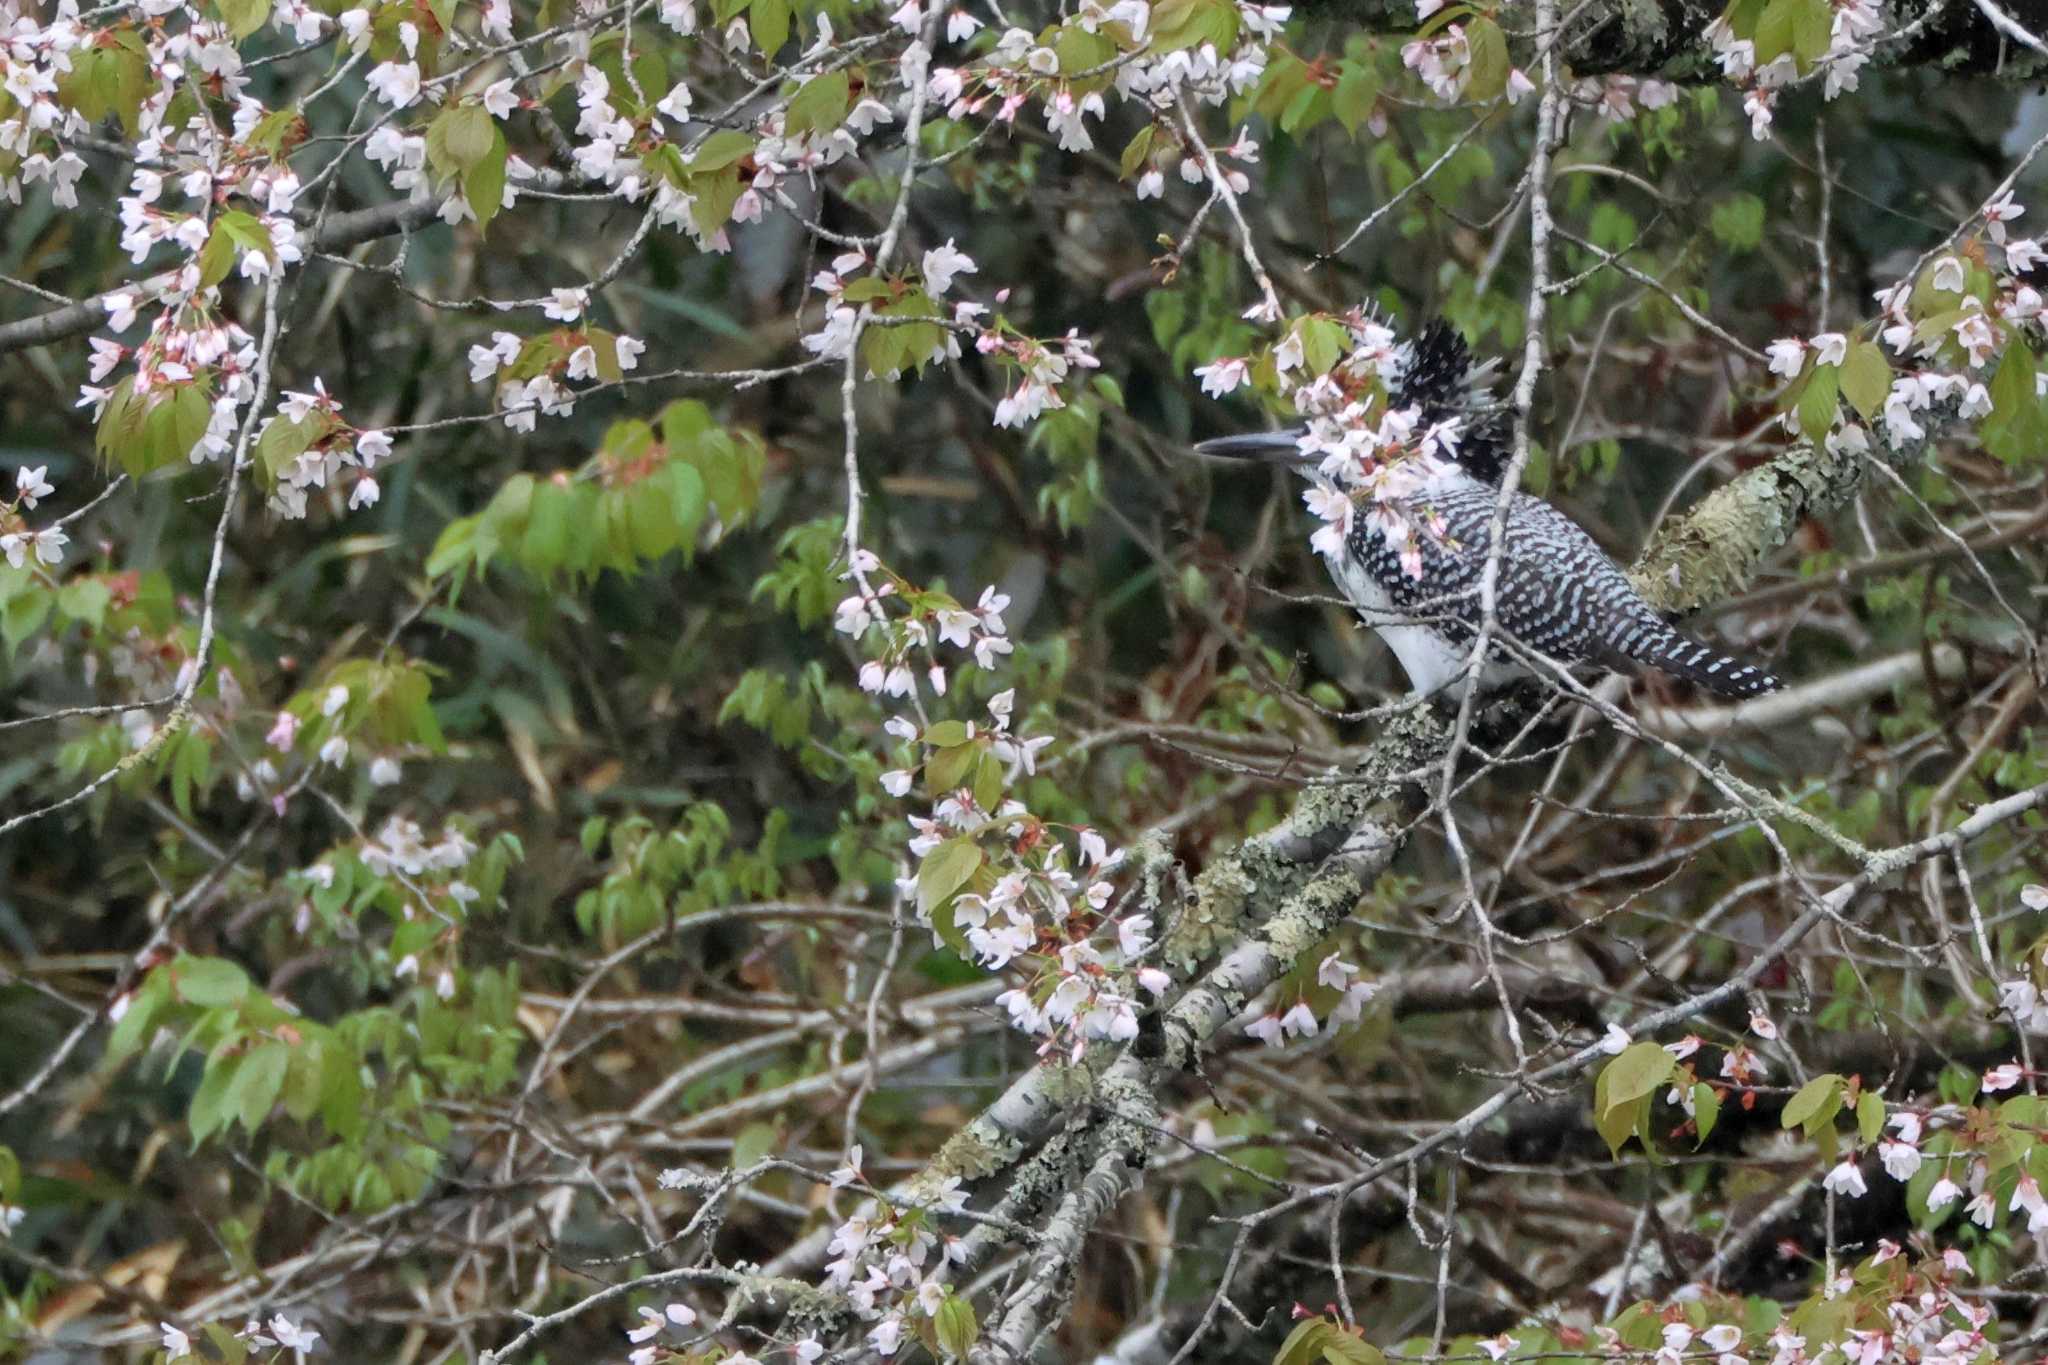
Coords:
pixel 1674 652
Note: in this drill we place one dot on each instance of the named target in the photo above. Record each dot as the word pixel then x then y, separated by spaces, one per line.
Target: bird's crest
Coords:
pixel 1440 379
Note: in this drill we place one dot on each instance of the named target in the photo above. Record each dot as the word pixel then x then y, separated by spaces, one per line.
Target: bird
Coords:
pixel 1411 556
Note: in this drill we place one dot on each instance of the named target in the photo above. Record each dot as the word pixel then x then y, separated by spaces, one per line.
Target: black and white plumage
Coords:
pixel 1557 592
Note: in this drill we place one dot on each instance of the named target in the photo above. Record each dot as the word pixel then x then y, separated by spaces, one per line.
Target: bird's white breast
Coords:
pixel 1435 664
pixel 1430 660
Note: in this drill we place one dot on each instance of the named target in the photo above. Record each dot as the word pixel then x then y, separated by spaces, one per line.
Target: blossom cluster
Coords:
pixel 904 325
pixel 889 1261
pixel 1912 1310
pixel 1371 457
pixel 1443 62
pixel 279 1332
pixel 532 375
pixel 1128 62
pixel 1965 309
pixel 909 644
pixel 1852 25
pixel 17 541
pixel 1015 890
pixel 995 881
pixel 325 727
pixel 330 447
pixel 1162 146
pixel 1274 1026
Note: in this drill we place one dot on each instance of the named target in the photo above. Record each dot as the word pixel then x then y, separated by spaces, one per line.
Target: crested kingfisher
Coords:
pixel 1407 537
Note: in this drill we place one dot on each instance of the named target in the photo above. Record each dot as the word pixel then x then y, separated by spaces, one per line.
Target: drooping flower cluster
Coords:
pixel 909 644
pixel 1371 457
pixel 1336 984
pixel 890 1260
pixel 306 446
pixel 18 543
pixel 1850 28
pixel 532 376
pixel 1617 98
pixel 1966 309
pixel 1892 1306
pixel 1106 51
pixel 993 880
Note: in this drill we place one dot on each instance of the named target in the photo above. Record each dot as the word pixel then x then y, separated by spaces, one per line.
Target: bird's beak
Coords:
pixel 1266 447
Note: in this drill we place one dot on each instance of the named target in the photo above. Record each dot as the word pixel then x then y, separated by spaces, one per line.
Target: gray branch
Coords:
pixel 1663 38
pixel 338 233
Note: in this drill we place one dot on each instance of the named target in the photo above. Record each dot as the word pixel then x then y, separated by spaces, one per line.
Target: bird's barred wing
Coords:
pixel 1557 592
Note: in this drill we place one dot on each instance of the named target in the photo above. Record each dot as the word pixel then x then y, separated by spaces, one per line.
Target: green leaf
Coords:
pixel 768 21
pixel 722 149
pixel 1706 1110
pixel 545 547
pixel 1737 222
pixel 686 496
pixel 1358 90
pixel 244 17
pixel 821 104
pixel 1304 1345
pixel 947 768
pixel 216 258
pixel 650 519
pixel 944 734
pixel 1345 1349
pixel 1135 152
pixel 1616 1123
pixel 302 1082
pixel 2012 384
pixel 284 439
pixel 988 781
pixel 1487 73
pixel 1306 109
pixel 483 185
pixel 1322 343
pixel 247 232
pixel 23 615
pixel 2016 428
pixel 213 1103
pixel 128 81
pixel 227 1347
pixel 1637 1073
pixel 1817 1102
pixel 85 600
pixel 755 1141
pixel 137 1024
pixel 1866 378
pixel 956 1326
pixel 341 1094
pixel 259 1078
pixel 191 413
pixel 455 549
pixel 459 138
pixel 1742 17
pixel 945 870
pixel 1820 401
pixel 1869 1115
pixel 1812 27
pixel 209 981
pixel 1079 50
pixel 1774 30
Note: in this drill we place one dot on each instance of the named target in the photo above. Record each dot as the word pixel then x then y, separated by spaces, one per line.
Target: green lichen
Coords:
pixel 1238 890
pixel 1221 891
pixel 971 1154
pixel 1713 551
